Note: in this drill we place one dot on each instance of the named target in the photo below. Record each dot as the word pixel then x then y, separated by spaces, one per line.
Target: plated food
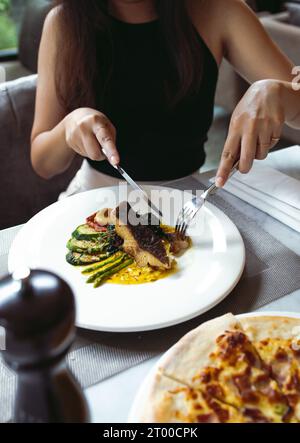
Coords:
pixel 122 246
pixel 204 275
pixel 229 370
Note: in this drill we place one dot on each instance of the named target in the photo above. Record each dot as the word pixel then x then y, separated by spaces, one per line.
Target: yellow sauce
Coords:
pixel 134 275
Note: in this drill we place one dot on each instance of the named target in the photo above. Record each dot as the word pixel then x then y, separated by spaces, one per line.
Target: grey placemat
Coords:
pixel 272 271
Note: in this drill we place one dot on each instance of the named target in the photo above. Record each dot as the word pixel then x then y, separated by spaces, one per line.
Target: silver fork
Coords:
pixel 192 207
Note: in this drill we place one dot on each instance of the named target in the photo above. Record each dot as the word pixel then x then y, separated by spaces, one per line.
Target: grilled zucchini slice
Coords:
pixel 85 246
pixel 85 232
pixel 78 259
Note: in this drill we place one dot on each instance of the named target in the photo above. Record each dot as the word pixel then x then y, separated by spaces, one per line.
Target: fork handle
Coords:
pixel 214 188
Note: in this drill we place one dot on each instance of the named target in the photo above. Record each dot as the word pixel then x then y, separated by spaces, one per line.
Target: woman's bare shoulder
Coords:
pixel 52 19
pixel 50 34
pixel 208 19
pixel 48 45
pixel 218 10
pixel 216 19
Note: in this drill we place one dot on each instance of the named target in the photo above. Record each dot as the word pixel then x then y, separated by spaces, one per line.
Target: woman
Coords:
pixel 133 81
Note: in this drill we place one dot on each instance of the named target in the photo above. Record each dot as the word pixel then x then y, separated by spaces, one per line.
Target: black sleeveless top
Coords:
pixel 155 142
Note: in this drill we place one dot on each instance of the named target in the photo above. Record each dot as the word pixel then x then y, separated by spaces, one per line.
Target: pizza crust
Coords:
pixel 194 349
pixel 160 404
pixel 262 327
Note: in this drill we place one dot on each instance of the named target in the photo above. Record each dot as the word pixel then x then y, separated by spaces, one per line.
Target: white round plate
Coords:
pixel 207 272
pixel 142 394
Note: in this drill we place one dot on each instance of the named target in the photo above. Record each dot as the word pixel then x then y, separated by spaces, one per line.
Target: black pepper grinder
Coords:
pixel 37 310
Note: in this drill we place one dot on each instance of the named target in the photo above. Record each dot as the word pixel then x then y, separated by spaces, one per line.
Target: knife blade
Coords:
pixel 135 186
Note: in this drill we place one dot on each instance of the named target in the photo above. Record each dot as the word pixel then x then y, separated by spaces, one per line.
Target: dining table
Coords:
pixel 111 399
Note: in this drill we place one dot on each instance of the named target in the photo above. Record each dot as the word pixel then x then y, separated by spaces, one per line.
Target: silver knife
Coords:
pixel 135 186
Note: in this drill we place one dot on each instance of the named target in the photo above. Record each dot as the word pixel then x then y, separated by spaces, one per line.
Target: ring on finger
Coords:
pixel 275 139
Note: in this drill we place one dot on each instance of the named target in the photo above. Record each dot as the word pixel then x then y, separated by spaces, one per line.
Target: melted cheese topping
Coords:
pixel 283 357
pixel 195 408
pixel 238 377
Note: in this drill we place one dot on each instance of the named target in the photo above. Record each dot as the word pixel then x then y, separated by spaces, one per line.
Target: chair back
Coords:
pixel 22 192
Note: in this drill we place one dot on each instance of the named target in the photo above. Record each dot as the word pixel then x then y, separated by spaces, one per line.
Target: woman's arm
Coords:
pixel 255 56
pixel 49 151
pixel 257 121
pixel 57 137
pixel 248 46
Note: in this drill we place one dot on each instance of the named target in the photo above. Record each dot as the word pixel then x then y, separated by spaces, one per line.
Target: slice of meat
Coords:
pixel 178 243
pixel 140 240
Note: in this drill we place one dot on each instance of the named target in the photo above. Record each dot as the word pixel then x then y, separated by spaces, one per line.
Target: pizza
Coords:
pixel 229 370
pixel 279 347
pixel 177 402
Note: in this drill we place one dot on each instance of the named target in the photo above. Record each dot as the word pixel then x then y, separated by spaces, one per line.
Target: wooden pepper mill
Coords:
pixel 37 310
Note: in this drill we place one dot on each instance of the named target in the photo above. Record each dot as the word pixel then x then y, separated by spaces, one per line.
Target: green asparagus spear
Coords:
pixel 100 264
pixel 113 271
pixel 103 270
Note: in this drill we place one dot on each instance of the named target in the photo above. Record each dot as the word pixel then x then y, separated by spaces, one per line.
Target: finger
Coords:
pixel 262 151
pixel 229 157
pixel 110 150
pixel 248 152
pixel 91 147
pixel 106 137
pixel 274 142
pixel 264 141
pixel 276 133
